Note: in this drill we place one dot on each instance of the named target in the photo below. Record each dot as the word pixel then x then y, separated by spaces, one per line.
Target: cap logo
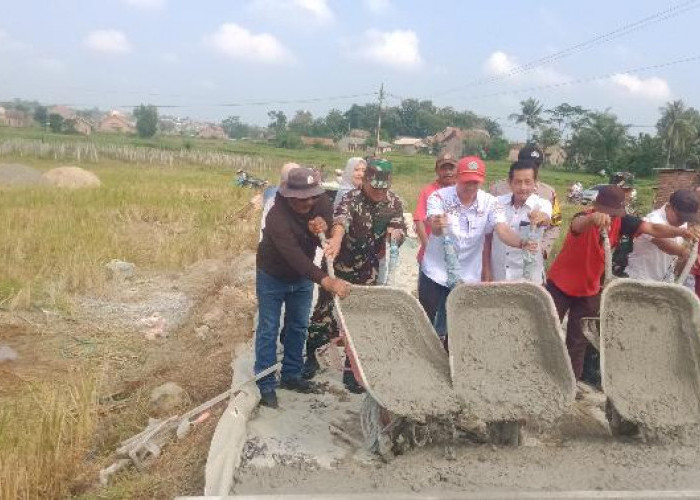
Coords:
pixel 472 165
pixel 535 154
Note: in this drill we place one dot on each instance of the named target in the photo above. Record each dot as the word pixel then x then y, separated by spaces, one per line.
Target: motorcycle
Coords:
pixel 244 179
pixel 575 193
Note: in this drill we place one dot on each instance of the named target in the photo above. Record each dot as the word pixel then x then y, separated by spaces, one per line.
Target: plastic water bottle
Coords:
pixel 528 234
pixel 451 259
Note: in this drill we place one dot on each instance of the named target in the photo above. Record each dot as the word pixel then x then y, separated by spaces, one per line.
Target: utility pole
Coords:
pixel 379 118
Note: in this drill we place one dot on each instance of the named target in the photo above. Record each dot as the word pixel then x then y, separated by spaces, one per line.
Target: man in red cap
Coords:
pixel 466 214
pixel 574 280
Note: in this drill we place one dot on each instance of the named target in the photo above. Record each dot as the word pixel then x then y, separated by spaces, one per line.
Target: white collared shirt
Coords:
pixel 507 262
pixel 647 261
pixel 468 227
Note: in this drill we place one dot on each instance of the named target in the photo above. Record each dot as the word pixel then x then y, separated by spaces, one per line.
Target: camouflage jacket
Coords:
pixel 364 243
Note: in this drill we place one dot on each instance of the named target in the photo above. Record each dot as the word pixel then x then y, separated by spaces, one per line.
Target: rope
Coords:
pixel 689 264
pixel 608 256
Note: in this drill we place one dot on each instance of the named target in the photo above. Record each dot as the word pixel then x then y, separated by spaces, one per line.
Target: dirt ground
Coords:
pixel 139 333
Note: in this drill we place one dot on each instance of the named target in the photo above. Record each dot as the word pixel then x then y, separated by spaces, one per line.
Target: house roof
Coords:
pixel 310 141
pixel 408 141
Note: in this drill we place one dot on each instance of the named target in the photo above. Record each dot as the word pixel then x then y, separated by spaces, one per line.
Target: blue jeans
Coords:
pixel 296 297
pixel 433 297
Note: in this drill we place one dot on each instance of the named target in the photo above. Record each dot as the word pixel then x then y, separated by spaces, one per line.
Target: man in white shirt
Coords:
pixel 502 262
pixel 467 214
pixel 653 259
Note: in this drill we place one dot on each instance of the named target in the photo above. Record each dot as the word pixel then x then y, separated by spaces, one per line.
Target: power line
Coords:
pixel 244 104
pixel 597 40
pixel 578 81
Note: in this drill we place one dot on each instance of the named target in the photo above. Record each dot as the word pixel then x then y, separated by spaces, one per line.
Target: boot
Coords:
pixel 311 367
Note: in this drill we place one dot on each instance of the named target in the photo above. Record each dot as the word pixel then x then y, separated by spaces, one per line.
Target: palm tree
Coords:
pixel 678 129
pixel 530 115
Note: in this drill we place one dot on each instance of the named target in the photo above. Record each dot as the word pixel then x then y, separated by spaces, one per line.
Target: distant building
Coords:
pixel 555 155
pixel 317 141
pixel 80 125
pixel 115 122
pixel 3 118
pixel 63 111
pixel 672 179
pixel 451 139
pixel 212 132
pixel 349 144
pixel 19 119
pixel 410 145
pixel 514 150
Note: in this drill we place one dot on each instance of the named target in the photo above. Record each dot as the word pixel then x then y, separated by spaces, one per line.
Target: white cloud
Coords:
pixel 50 64
pixel 108 41
pixel 504 65
pixel 377 6
pixel 651 88
pixel 146 4
pixel 499 63
pixel 9 44
pixel 293 11
pixel 397 49
pixel 237 42
pixel 170 58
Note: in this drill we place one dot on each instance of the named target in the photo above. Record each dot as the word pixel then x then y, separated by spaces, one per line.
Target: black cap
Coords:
pixel 685 203
pixel 532 153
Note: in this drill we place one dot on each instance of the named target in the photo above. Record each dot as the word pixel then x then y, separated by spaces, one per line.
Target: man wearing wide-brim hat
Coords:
pixel 574 279
pixel 285 275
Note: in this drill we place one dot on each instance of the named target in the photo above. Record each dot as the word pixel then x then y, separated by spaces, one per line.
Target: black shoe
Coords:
pixel 299 385
pixel 311 367
pixel 351 384
pixel 269 399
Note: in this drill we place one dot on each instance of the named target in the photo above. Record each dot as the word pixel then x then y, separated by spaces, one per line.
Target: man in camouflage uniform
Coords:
pixel 362 221
pixel 499 188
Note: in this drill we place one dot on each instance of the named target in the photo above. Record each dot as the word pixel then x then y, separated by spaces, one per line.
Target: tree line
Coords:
pixel 598 140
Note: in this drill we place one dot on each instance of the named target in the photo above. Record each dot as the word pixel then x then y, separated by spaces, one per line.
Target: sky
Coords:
pixel 198 58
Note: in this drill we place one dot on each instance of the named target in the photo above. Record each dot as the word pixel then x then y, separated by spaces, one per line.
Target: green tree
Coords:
pixel 530 114
pixel 288 140
pixel 598 142
pixel 547 137
pixel 146 120
pixel 56 123
pixel 498 149
pixel 234 128
pixel 493 128
pixel 302 123
pixel 565 117
pixel 336 124
pixel 643 154
pixel 278 121
pixel 678 126
pixel 41 115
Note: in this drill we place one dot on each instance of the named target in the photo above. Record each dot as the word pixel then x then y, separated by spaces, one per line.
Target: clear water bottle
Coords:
pixel 529 234
pixel 451 258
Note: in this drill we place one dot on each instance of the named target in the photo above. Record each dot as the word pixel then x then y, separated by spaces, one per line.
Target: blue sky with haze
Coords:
pixel 119 53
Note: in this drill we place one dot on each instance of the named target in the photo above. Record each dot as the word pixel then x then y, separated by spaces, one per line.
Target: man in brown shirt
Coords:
pixel 286 275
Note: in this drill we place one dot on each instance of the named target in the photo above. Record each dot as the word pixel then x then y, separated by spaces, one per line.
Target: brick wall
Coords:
pixel 671 180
